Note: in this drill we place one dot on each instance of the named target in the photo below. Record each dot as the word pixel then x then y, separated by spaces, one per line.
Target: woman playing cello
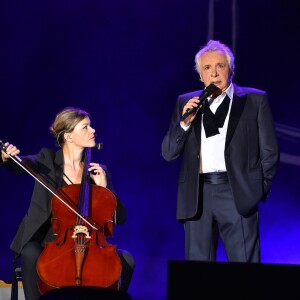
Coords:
pixel 73 133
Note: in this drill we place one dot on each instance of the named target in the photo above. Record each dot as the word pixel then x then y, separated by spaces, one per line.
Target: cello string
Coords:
pixel 84 200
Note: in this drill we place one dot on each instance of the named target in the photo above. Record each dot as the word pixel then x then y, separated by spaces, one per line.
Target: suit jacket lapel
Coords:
pixel 59 167
pixel 238 104
pixel 197 125
pixel 197 122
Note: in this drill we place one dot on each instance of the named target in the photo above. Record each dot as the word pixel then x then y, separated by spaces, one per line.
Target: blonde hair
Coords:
pixel 65 121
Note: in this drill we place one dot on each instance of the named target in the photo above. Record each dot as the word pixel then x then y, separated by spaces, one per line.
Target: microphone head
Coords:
pixel 99 146
pixel 210 89
pixel 2 146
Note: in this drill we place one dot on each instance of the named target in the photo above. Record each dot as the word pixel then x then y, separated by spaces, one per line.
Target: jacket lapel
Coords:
pixel 197 124
pixel 59 167
pixel 238 104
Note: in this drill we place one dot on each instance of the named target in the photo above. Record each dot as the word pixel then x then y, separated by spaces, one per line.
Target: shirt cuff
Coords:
pixel 185 128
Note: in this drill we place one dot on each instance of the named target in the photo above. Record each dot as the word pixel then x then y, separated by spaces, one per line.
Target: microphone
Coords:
pixel 211 89
pixel 99 146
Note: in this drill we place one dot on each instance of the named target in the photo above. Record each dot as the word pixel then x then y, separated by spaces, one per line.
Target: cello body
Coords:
pixel 80 255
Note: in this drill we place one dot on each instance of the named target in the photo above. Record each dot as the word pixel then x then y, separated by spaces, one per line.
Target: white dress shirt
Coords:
pixel 212 149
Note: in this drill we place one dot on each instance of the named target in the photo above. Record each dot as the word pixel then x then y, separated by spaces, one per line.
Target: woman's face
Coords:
pixel 83 134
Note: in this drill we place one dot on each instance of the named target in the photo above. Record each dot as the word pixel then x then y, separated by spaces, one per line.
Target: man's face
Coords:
pixel 214 69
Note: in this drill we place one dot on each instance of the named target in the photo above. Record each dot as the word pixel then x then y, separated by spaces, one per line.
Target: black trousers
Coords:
pixel 220 218
pixel 32 251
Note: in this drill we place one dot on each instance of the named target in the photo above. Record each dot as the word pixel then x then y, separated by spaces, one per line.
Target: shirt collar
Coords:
pixel 229 91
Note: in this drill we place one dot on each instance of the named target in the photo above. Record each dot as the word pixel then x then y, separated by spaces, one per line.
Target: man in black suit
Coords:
pixel 228 163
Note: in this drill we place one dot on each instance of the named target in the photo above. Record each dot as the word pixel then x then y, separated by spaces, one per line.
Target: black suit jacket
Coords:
pixel 48 164
pixel 251 151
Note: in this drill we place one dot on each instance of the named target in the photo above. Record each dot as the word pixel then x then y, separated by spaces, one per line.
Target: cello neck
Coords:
pixel 84 197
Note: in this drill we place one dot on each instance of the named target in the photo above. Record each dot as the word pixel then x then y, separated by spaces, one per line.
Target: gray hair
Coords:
pixel 216 46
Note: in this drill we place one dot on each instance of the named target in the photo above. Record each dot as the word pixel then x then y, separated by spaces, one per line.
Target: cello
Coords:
pixel 82 218
pixel 80 255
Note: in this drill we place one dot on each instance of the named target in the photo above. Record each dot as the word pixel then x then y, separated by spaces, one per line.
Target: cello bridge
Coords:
pixel 80 229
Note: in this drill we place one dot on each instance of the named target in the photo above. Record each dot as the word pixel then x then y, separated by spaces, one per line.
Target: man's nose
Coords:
pixel 214 73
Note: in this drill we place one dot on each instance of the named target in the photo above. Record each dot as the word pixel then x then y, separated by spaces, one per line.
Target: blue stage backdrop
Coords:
pixel 126 62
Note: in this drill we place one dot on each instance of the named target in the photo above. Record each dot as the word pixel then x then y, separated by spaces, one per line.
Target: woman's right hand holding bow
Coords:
pixel 10 150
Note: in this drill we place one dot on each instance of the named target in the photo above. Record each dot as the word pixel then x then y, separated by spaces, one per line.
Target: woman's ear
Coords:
pixel 68 136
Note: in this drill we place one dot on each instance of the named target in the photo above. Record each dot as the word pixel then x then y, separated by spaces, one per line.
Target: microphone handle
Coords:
pixel 189 111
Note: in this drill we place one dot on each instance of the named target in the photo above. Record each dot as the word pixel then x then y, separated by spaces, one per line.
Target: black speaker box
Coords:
pixel 189 280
